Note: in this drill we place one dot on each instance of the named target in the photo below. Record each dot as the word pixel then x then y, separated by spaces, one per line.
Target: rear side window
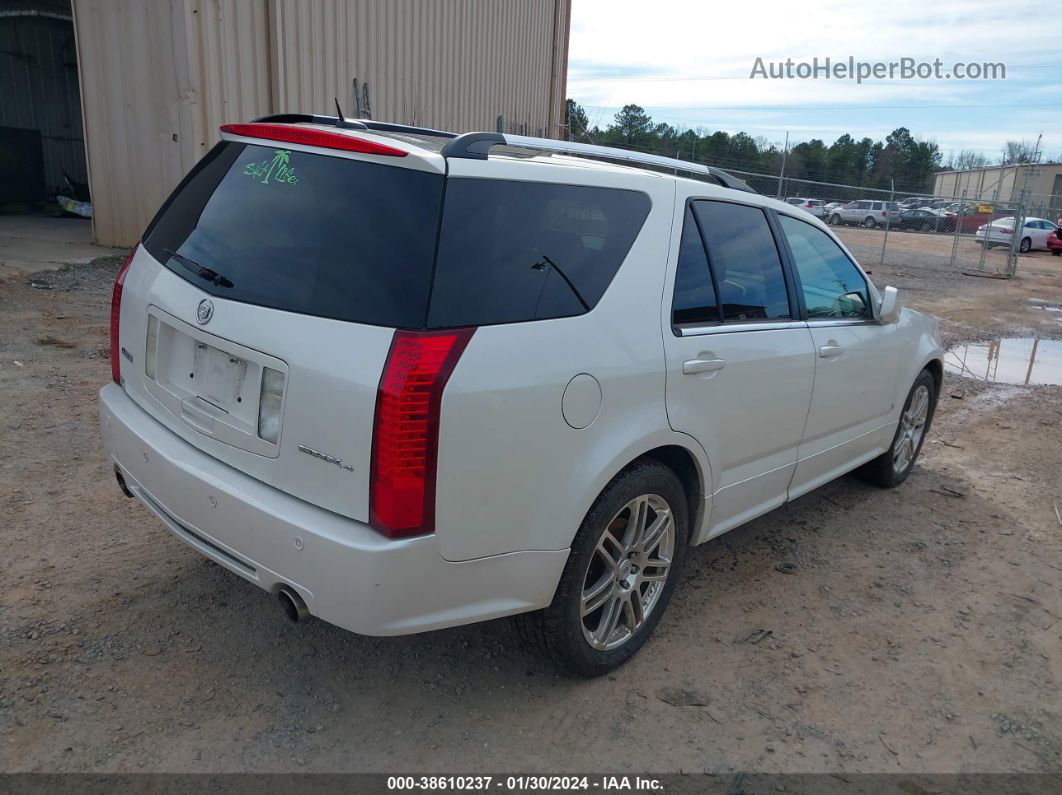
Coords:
pixel 744 260
pixel 517 251
pixel 307 233
pixel 694 300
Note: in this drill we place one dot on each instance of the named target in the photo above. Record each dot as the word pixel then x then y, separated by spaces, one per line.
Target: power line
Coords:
pixel 840 107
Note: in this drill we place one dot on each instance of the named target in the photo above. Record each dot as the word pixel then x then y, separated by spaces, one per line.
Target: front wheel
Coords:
pixel 623 567
pixel 892 467
pixel 835 219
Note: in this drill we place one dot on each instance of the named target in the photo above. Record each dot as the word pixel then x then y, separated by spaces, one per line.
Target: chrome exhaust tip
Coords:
pixel 292 604
pixel 121 482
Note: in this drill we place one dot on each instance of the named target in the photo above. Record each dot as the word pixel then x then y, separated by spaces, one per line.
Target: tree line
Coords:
pixel 902 158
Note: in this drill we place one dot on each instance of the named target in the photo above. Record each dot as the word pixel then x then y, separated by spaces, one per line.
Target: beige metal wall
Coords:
pixel 982 183
pixel 158 77
pixel 456 65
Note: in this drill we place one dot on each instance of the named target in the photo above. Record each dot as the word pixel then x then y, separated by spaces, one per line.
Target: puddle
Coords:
pixel 1047 306
pixel 1012 360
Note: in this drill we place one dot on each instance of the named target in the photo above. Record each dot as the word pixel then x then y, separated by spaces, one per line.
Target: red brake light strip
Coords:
pixel 293 134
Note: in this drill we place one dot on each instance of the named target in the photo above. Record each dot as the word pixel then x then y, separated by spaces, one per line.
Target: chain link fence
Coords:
pixel 973 234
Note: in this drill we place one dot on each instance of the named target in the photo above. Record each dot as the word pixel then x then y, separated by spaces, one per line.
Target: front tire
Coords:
pixel 835 220
pixel 892 467
pixel 624 564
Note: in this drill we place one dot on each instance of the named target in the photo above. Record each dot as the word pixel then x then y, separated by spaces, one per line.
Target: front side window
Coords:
pixel 833 287
pixel 744 260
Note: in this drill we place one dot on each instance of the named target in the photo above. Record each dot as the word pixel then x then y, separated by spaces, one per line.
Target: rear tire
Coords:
pixel 892 467
pixel 869 222
pixel 1056 252
pixel 603 611
pixel 1025 246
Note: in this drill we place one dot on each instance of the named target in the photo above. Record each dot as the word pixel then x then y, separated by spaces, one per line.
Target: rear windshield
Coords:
pixel 309 233
pixel 356 241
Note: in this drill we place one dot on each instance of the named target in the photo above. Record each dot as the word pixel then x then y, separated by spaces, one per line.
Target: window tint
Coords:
pixel 516 251
pixel 831 284
pixel 744 260
pixel 306 233
pixel 694 300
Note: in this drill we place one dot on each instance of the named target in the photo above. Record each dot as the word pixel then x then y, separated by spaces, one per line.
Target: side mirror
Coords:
pixel 889 311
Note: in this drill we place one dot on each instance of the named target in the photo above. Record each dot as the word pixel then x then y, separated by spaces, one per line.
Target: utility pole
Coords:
pixel 785 154
pixel 1019 215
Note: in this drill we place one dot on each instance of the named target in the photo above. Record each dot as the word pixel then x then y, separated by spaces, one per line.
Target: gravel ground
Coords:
pixel 919 630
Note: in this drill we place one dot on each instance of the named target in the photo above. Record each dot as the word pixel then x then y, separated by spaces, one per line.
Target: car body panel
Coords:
pixel 516 472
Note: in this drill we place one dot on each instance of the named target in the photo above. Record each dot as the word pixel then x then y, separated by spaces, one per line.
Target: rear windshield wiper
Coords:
pixel 541 266
pixel 201 271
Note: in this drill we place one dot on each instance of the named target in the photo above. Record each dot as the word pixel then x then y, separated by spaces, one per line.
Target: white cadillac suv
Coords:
pixel 406 382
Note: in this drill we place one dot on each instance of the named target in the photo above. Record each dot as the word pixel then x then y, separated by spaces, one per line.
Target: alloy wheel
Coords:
pixel 627 572
pixel 912 426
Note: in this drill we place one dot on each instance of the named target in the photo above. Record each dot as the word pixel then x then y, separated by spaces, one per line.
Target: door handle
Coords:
pixel 694 366
pixel 831 350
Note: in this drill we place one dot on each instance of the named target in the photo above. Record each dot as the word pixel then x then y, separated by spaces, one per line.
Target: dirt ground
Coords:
pixel 920 631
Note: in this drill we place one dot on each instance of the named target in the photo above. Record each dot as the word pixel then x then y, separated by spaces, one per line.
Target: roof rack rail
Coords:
pixel 477 145
pixel 357 124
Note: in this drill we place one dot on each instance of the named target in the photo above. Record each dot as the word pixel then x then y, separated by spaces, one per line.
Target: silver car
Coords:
pixel 813 206
pixel 865 212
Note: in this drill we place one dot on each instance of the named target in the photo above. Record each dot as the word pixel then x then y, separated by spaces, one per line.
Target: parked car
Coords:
pixel 865 213
pixel 829 206
pixel 925 220
pixel 434 388
pixel 1001 232
pixel 813 206
pixel 1054 241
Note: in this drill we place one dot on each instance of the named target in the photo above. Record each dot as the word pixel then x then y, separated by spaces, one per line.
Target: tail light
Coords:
pixel 405 442
pixel 116 316
pixel 270 401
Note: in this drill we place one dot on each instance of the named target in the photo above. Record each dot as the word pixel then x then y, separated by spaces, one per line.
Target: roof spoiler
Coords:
pixel 356 124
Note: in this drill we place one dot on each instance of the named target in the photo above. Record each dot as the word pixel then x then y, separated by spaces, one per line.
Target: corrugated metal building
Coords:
pixel 159 78
pixel 40 105
pixel 1040 182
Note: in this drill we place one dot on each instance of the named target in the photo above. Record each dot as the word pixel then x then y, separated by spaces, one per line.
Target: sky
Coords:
pixel 687 62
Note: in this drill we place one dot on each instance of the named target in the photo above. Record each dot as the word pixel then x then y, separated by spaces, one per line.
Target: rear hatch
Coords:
pixel 263 302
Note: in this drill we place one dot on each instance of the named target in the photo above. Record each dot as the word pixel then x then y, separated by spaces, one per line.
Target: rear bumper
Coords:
pixel 347 573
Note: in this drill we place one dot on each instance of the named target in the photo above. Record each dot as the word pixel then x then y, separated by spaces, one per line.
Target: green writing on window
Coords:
pixel 276 169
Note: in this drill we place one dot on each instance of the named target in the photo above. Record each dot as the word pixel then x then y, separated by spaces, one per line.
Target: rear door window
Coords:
pixel 744 259
pixel 694 301
pixel 516 251
pixel 307 233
